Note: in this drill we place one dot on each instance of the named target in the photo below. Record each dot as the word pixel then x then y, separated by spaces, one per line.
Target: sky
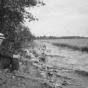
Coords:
pixel 60 18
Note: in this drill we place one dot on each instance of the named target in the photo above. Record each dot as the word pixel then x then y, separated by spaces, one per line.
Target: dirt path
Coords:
pixel 72 66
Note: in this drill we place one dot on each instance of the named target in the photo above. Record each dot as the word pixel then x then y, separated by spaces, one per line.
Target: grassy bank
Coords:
pixel 81 72
pixel 83 48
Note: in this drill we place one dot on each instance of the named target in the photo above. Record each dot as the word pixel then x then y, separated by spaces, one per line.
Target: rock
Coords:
pixel 64 83
pixel 16 56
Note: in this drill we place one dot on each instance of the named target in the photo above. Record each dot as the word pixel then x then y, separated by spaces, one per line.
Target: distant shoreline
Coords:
pixel 63 37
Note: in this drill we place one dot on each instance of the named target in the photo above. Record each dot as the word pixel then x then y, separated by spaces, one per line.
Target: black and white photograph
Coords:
pixel 43 43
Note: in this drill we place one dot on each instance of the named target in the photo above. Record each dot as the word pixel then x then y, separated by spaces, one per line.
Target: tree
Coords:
pixel 12 14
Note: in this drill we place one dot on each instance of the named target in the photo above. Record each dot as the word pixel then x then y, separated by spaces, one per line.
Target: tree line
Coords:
pixel 62 37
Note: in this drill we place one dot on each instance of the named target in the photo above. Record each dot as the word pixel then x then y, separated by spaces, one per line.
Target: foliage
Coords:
pixel 73 47
pixel 12 14
pixel 62 37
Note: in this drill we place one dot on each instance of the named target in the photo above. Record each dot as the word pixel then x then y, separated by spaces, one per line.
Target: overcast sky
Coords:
pixel 61 18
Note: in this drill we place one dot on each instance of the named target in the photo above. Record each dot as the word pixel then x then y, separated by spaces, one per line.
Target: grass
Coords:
pixel 83 48
pixel 72 42
pixel 81 72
